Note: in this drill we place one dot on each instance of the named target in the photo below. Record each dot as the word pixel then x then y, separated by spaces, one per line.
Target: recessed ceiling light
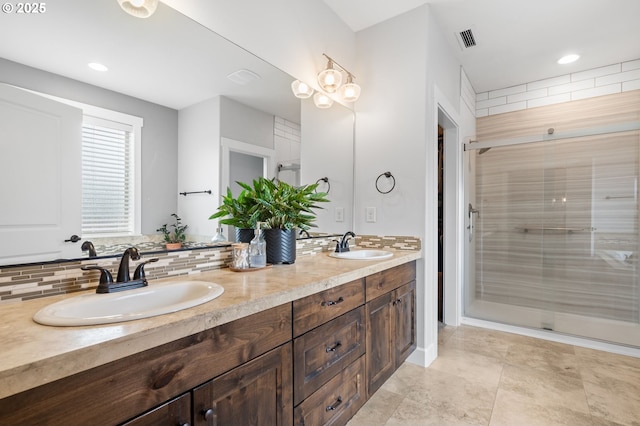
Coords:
pixel 568 59
pixel 98 67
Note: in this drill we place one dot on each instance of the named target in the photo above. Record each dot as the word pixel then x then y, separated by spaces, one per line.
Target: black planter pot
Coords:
pixel 281 246
pixel 244 235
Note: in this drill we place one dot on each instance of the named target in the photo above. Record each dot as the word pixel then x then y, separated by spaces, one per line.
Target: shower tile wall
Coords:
pixel 556 241
pixel 558 226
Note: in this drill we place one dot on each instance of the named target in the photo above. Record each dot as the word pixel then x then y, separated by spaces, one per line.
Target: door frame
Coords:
pixel 452 209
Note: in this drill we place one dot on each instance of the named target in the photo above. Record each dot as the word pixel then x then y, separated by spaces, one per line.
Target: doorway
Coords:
pixel 243 162
pixel 440 224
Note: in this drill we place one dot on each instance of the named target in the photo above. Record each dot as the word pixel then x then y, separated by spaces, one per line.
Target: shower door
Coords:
pixel 553 236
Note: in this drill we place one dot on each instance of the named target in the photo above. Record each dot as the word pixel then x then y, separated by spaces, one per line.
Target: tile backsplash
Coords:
pixel 31 281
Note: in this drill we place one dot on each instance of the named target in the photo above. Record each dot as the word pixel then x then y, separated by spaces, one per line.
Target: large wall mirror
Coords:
pixel 159 69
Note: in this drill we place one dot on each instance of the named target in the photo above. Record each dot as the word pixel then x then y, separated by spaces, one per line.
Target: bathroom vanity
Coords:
pixel 307 343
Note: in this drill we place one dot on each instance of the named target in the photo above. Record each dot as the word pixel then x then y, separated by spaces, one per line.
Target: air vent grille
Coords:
pixel 468 40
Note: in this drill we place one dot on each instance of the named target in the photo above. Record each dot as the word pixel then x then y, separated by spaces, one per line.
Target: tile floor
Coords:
pixel 487 377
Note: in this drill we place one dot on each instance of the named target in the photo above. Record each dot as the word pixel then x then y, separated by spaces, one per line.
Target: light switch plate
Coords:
pixel 339 215
pixel 370 214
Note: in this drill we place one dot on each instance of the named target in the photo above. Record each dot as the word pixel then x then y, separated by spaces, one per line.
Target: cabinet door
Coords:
pixel 380 341
pixel 256 393
pixel 175 412
pixel 405 321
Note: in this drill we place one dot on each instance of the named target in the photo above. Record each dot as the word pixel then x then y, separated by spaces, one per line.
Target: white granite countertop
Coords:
pixel 32 354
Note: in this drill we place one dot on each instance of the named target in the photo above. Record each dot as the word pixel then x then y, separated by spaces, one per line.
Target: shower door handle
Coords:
pixel 472 212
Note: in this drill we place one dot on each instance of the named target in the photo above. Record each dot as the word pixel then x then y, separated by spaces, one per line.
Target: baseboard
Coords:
pixel 423 357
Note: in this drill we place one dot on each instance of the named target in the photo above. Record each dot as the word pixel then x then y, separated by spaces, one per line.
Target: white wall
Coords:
pixel 406 68
pixel 327 151
pixel 199 165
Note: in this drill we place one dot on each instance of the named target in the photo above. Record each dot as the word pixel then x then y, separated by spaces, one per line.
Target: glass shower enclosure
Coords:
pixel 553 235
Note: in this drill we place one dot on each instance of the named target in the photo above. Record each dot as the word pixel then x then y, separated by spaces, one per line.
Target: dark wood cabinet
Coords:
pixel 176 412
pixel 325 351
pixel 405 322
pixel 391 325
pixel 314 361
pixel 337 401
pixel 256 393
pixel 121 390
pixel 312 311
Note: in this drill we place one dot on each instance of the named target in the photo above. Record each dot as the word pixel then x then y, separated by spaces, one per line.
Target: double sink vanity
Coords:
pixel 306 343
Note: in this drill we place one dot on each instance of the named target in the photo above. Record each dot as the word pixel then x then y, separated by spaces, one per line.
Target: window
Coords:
pixel 108 184
pixel 110 173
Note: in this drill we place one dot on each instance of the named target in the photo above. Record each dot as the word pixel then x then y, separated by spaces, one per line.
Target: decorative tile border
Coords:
pixel 25 282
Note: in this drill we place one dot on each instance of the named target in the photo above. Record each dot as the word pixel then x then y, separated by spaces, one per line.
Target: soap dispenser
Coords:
pixel 258 249
pixel 219 237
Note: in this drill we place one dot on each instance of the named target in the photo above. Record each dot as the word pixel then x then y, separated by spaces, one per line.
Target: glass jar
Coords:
pixel 240 256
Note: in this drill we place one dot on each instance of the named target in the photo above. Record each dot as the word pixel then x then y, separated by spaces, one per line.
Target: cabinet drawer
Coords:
pixel 312 311
pixel 386 281
pixel 321 353
pixel 337 401
pixel 175 412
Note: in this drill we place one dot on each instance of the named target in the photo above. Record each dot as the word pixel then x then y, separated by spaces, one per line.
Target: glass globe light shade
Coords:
pixel 322 100
pixel 139 8
pixel 350 92
pixel 330 79
pixel 301 89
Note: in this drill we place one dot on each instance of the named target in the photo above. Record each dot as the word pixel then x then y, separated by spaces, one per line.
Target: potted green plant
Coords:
pixel 282 207
pixel 174 239
pixel 242 212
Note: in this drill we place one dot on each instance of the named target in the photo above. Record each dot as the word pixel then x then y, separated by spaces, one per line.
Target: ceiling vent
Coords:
pixel 466 38
pixel 243 77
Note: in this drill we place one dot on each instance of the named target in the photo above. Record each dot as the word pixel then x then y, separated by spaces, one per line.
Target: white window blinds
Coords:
pixel 107 178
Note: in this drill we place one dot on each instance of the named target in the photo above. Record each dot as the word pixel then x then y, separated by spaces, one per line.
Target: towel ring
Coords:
pixel 390 178
pixel 325 180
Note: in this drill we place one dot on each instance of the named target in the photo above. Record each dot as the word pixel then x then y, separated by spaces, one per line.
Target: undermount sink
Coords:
pixel 363 254
pixel 145 302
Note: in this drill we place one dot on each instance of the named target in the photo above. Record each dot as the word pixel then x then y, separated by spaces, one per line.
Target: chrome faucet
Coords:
pixel 343 244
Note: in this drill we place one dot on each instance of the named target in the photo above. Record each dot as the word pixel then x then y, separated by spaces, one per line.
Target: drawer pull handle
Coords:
pixel 331 302
pixel 334 347
pixel 334 405
pixel 397 302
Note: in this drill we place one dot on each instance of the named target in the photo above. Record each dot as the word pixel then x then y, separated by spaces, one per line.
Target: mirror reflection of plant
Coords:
pixel 177 235
pixel 276 203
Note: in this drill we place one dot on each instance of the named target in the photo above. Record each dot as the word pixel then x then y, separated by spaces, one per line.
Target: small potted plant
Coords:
pixel 174 239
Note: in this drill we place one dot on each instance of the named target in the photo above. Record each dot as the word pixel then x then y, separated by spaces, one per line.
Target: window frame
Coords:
pixel 136 123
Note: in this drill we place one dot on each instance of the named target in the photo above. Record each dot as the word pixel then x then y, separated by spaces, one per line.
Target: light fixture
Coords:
pixel 330 81
pixel 139 8
pixel 350 92
pixel 330 78
pixel 322 100
pixel 301 89
pixel 97 66
pixel 568 59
